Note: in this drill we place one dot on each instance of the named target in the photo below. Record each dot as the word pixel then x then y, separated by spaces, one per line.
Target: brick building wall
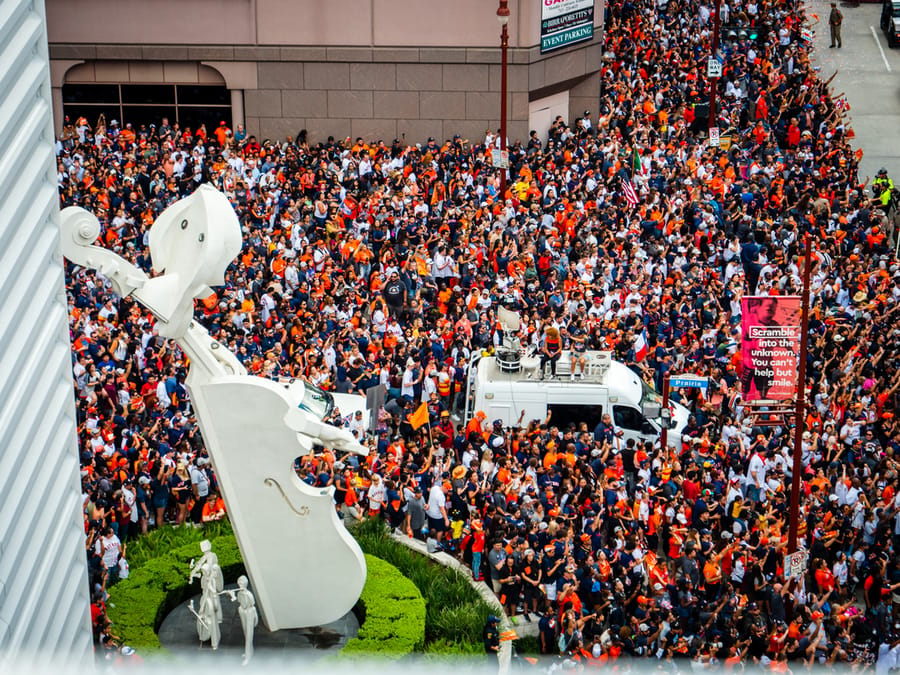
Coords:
pixel 376 90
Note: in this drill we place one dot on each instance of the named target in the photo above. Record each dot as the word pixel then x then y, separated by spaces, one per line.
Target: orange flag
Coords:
pixel 420 417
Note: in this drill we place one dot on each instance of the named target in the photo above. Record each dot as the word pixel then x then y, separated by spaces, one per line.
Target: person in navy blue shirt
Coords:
pixel 604 432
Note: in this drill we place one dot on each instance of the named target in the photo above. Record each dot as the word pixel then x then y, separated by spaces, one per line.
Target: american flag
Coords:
pixel 630 193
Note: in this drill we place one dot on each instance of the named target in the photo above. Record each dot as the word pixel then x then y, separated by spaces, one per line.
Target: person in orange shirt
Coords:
pixel 475 424
pixel 213 509
pixel 126 136
pixel 504 475
pixel 654 526
pixel 278 265
pixel 550 456
pixel 222 133
pixel 824 577
pixel 737 652
pixel 712 572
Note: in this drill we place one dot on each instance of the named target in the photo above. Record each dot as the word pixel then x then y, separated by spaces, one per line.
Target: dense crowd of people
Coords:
pixel 368 262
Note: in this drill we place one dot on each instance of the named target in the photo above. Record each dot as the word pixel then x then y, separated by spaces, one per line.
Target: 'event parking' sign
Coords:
pixel 565 22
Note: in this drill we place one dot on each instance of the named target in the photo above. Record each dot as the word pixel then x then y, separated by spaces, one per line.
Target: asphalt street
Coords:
pixel 868 72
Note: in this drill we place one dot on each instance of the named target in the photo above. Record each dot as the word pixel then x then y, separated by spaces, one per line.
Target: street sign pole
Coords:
pixel 503 16
pixel 664 432
pixel 374 403
pixel 800 412
pixel 714 82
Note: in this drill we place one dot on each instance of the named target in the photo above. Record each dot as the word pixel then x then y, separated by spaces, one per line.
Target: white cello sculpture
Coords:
pixel 305 568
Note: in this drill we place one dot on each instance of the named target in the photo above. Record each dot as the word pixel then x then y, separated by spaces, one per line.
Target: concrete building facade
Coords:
pixel 44 595
pixel 379 69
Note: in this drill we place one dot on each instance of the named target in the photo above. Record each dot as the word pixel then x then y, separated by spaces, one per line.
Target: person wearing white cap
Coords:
pixel 200 488
pixel 586 121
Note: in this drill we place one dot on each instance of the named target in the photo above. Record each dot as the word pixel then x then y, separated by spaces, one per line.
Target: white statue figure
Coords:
pixel 209 615
pixel 212 586
pixel 208 564
pixel 292 542
pixel 247 613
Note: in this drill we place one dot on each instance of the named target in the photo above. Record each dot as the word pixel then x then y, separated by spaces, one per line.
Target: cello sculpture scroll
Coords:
pixel 305 568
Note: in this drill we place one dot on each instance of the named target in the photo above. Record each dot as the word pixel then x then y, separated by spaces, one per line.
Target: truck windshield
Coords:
pixel 319 403
pixel 649 395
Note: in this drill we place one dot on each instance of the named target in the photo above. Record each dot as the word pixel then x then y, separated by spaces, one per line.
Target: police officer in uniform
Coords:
pixel 882 187
pixel 835 19
pixel 491 636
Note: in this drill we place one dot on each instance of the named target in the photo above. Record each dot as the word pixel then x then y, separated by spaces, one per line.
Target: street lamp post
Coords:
pixel 800 411
pixel 714 81
pixel 665 417
pixel 503 18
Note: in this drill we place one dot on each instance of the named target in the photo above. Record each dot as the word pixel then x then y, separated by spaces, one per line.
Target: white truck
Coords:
pixel 509 383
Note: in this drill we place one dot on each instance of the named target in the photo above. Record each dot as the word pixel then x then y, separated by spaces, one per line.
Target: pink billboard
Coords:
pixel 770 347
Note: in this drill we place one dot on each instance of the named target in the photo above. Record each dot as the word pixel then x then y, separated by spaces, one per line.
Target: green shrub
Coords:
pixel 393 624
pixel 455 612
pixel 162 541
pixel 464 624
pixel 452 650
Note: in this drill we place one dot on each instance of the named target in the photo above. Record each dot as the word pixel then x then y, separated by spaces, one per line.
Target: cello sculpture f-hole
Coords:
pixel 302 511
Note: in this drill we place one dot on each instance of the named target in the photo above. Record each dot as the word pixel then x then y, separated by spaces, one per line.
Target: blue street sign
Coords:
pixel 689 381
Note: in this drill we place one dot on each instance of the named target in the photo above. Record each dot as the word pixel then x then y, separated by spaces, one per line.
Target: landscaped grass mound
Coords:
pixel 393 624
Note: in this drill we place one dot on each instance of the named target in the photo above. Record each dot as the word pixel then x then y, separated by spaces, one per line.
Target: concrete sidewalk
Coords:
pixel 868 72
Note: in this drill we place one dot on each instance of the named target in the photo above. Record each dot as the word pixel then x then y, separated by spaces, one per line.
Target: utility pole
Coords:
pixel 800 411
pixel 664 418
pixel 714 81
pixel 503 18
